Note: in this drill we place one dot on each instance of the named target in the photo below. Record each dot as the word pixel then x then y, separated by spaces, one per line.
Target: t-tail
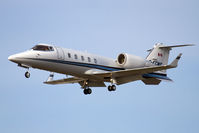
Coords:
pixel 159 55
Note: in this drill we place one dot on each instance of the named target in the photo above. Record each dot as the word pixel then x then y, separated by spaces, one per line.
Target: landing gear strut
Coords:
pixel 87 91
pixel 86 88
pixel 112 88
pixel 27 74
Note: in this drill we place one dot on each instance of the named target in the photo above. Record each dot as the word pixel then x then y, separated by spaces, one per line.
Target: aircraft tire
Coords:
pixel 27 75
pixel 113 87
pixel 109 88
pixel 87 91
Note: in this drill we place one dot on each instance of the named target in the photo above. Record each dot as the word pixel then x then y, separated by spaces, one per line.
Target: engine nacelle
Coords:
pixel 130 61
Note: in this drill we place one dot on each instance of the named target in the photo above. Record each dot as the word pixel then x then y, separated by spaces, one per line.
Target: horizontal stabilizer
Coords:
pixel 174 46
pixel 170 47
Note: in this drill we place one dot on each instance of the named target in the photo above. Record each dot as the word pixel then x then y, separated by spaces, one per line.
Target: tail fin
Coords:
pixel 159 54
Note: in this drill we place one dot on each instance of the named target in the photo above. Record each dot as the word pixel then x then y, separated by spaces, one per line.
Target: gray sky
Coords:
pixel 104 27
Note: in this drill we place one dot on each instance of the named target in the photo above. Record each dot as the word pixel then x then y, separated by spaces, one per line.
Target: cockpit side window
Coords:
pixel 43 48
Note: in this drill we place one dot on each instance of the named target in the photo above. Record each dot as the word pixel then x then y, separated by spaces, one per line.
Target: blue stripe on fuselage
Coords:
pixel 107 68
pixel 101 67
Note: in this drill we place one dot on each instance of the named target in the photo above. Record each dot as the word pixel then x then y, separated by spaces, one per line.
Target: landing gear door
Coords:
pixel 60 53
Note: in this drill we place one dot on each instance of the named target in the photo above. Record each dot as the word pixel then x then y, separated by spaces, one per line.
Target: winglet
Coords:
pixel 175 62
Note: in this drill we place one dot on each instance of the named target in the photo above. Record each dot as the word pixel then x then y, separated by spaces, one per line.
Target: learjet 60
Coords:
pixel 91 70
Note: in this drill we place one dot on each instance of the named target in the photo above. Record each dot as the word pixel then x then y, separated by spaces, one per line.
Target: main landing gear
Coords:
pixel 87 91
pixel 111 88
pixel 86 88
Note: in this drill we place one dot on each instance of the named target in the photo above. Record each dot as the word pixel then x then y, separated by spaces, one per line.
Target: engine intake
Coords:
pixel 130 61
pixel 121 59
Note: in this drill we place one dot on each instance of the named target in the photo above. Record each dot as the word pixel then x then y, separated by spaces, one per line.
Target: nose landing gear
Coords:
pixel 27 74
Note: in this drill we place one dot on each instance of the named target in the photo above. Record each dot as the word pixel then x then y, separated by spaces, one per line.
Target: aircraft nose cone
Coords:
pixel 11 58
pixel 14 58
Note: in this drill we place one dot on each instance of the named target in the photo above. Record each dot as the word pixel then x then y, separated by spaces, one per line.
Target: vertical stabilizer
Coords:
pixel 159 54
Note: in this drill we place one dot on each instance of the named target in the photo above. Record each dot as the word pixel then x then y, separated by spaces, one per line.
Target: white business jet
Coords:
pixel 91 70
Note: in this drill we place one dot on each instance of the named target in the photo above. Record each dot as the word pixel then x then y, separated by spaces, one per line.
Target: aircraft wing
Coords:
pixel 97 79
pixel 73 80
pixel 139 71
pixel 65 81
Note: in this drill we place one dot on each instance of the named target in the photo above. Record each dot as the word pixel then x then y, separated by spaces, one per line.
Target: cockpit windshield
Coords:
pixel 43 48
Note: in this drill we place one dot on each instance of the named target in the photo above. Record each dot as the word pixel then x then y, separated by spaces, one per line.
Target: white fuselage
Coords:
pixel 91 70
pixel 65 61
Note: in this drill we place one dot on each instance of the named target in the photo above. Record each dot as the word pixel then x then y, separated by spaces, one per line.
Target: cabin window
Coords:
pixel 75 56
pixel 69 55
pixel 82 57
pixel 51 48
pixel 95 60
pixel 89 59
pixel 43 48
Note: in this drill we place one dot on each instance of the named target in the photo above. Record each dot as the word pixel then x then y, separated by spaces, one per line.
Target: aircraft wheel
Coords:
pixel 109 88
pixel 27 75
pixel 113 87
pixel 87 91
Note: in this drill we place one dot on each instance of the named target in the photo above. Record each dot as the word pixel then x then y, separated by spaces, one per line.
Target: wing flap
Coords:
pixel 65 81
